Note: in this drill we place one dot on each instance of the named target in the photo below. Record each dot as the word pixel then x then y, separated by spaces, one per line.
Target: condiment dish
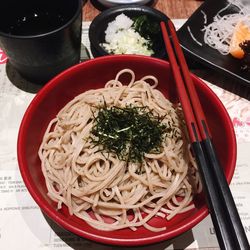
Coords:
pixel 99 25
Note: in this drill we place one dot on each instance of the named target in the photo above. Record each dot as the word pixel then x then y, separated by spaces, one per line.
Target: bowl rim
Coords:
pixel 60 219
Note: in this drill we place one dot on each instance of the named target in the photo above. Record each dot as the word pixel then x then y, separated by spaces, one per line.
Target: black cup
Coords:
pixel 41 37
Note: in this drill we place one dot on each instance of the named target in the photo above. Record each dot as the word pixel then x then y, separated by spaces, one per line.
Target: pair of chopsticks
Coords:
pixel 228 227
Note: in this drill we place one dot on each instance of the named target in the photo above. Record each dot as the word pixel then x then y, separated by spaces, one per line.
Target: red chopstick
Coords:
pixel 229 230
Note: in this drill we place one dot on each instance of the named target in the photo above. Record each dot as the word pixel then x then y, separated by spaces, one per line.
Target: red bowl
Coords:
pixel 94 74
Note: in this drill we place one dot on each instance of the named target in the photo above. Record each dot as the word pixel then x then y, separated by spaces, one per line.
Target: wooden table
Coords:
pixel 172 8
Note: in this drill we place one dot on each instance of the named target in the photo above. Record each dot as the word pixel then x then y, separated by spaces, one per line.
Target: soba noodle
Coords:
pixel 107 193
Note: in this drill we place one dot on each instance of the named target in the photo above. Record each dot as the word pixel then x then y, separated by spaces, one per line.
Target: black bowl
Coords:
pixel 100 23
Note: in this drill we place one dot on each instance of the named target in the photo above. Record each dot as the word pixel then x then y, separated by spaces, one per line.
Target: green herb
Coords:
pixel 146 27
pixel 150 30
pixel 128 132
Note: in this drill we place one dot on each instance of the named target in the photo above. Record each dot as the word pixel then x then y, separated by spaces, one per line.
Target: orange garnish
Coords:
pixel 241 34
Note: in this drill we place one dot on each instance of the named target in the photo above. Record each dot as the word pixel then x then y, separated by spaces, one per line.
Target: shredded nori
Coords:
pixel 128 132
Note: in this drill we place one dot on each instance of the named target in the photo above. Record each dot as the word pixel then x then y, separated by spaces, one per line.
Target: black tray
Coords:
pixel 204 54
